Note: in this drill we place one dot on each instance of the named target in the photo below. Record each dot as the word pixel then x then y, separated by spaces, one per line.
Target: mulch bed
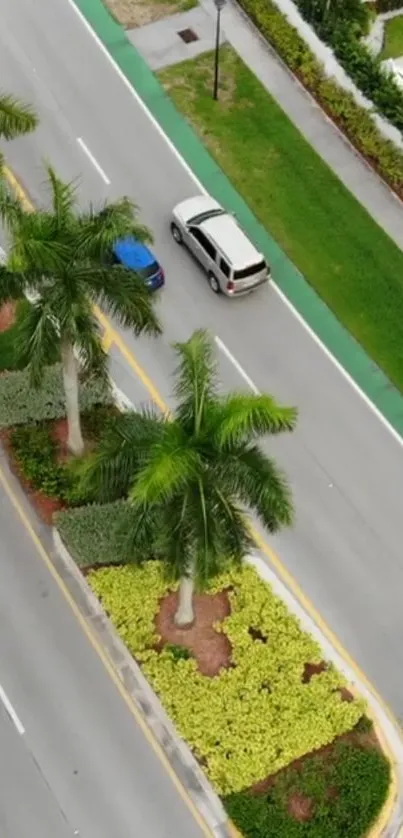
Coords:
pixel 211 650
pixel 8 315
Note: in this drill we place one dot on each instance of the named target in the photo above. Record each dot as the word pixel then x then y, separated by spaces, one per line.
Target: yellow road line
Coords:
pixel 112 337
pixel 102 654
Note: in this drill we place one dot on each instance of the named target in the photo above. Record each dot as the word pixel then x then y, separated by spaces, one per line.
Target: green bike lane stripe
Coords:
pixel 362 369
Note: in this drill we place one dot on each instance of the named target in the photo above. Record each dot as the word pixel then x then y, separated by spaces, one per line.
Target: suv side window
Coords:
pixel 204 241
pixel 224 266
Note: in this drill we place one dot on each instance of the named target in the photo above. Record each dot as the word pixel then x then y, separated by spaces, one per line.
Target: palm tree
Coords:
pixel 62 255
pixel 15 119
pixel 190 477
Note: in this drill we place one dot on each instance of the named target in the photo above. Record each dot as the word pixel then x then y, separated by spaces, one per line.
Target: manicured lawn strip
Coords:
pixel 341 251
pixel 260 712
pixel 95 535
pixel 393 38
pixel 337 797
pixel 21 404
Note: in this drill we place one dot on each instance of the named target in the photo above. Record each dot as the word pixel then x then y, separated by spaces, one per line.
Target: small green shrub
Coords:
pixel 179 653
pixel 96 534
pixel 255 717
pixel 346 794
pixel 21 404
pixel 353 119
pixel 35 451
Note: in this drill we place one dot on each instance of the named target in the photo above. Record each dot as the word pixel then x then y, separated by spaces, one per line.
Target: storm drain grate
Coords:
pixel 188 36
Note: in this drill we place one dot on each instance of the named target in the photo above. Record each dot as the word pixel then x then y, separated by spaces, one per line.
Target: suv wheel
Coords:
pixel 176 233
pixel 214 283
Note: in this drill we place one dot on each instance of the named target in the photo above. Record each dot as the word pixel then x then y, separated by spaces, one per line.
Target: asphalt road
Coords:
pixel 345 466
pixel 74 761
pixel 27 804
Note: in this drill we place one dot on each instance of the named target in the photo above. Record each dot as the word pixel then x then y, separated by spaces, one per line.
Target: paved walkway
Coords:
pixel 176 38
pixel 160 45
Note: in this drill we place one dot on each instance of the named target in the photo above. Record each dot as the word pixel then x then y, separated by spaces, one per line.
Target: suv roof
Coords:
pixel 231 240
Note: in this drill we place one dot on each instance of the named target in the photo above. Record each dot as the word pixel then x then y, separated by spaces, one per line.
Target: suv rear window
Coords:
pixel 253 269
pixel 149 271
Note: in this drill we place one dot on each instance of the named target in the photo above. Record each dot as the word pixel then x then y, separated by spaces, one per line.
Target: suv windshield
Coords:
pixel 204 216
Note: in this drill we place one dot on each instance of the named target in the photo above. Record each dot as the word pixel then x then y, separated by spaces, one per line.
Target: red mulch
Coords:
pixel 43 505
pixel 211 650
pixel 8 313
pixel 300 807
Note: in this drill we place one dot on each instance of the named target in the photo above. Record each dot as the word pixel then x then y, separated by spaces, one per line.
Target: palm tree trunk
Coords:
pixel 184 616
pixel 75 442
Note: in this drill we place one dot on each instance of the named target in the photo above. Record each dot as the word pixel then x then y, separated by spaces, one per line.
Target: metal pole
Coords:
pixel 217 53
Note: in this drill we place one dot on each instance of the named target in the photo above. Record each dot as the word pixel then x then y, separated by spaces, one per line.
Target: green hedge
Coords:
pixel 21 404
pixel 357 777
pixel 254 718
pixel 342 26
pixel 95 534
pixel 354 120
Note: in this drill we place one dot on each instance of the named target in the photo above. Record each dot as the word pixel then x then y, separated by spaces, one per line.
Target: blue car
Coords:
pixel 138 257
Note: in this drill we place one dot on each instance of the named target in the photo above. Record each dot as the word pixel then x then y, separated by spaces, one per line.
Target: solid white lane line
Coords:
pixel 93 160
pixel 11 712
pixel 221 345
pixel 201 188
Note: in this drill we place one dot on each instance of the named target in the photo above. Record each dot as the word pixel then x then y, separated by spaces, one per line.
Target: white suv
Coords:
pixel 231 261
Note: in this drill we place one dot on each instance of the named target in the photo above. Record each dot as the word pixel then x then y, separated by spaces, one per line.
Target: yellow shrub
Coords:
pixel 251 720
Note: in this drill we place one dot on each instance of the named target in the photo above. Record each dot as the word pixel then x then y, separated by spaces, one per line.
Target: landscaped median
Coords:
pixel 283 739
pixel 340 250
pixel 276 729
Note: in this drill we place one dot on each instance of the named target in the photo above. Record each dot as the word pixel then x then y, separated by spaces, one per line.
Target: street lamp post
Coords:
pixel 219 4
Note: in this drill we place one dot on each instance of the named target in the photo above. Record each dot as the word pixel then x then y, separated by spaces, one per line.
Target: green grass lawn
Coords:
pixel 393 38
pixel 342 252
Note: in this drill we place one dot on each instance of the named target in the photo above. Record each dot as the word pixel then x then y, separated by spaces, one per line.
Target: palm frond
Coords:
pixel 85 333
pixel 98 230
pixel 171 466
pixel 12 285
pixel 110 472
pixel 37 338
pixel 124 296
pixel 11 209
pixel 15 117
pixel 258 483
pixel 243 417
pixel 63 198
pixel 34 244
pixel 195 377
pixel 141 542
